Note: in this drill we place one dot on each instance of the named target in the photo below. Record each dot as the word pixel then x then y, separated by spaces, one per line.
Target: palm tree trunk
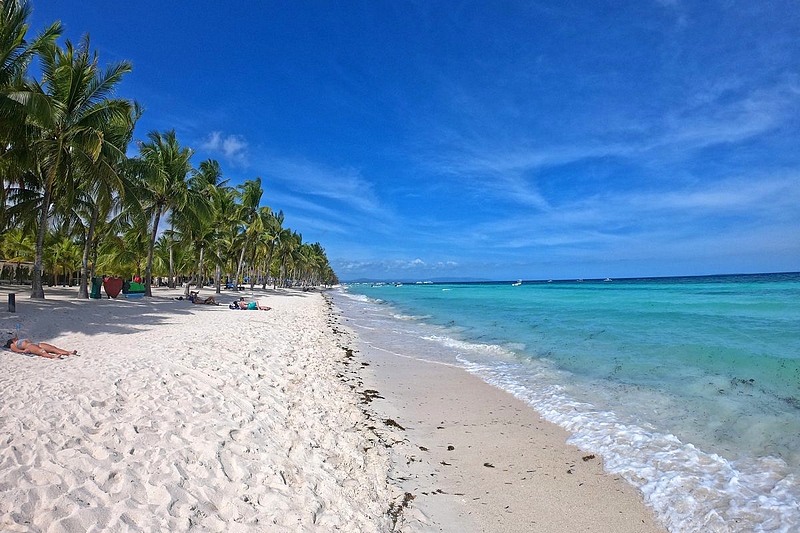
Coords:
pixel 93 273
pixel 200 280
pixel 83 289
pixel 37 288
pixel 171 280
pixel 253 272
pixel 239 268
pixel 282 271
pixel 148 272
pixel 269 261
pixel 218 273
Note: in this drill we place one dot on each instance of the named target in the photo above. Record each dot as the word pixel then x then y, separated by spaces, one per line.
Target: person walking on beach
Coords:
pixel 43 349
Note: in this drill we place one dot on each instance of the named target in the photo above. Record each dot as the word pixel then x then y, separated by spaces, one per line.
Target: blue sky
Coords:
pixel 492 140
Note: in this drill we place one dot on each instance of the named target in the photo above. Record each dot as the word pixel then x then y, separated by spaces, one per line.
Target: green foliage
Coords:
pixel 72 201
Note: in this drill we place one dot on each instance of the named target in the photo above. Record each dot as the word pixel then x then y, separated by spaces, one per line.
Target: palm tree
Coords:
pixel 16 54
pixel 17 246
pixel 194 228
pixel 107 183
pixel 272 230
pixel 63 254
pixel 288 242
pixel 203 227
pixel 250 196
pixel 69 112
pixel 164 167
pixel 225 215
pixel 122 253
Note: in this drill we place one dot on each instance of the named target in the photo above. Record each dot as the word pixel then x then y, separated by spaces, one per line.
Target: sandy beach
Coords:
pixel 177 416
pixel 477 459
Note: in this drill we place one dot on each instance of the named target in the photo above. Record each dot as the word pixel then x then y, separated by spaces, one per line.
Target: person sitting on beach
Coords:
pixel 194 297
pixel 242 304
pixel 43 349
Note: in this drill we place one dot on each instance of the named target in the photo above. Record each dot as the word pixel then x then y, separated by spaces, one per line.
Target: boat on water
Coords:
pixel 517 283
pixel 607 279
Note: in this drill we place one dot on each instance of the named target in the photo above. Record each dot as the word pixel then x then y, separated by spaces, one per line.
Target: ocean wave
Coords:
pixel 459 345
pixel 690 489
pixel 361 298
pixel 411 317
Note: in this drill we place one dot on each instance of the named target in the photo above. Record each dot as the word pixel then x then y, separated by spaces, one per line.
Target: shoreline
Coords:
pixel 179 416
pixel 475 458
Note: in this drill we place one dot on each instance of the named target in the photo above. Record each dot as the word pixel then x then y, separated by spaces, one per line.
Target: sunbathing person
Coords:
pixel 194 297
pixel 242 304
pixel 43 349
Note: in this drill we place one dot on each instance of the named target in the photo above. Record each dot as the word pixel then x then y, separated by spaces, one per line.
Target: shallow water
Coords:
pixel 689 387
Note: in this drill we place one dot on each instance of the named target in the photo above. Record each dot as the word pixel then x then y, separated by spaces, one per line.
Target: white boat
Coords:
pixel 607 279
pixel 517 283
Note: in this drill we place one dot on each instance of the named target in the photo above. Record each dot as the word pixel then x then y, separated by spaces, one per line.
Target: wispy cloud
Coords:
pixel 410 267
pixel 343 185
pixel 233 148
pixel 715 116
pixel 724 112
pixel 637 217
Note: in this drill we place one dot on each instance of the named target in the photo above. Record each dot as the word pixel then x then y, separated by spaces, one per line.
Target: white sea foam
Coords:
pixel 360 297
pixel 410 318
pixel 464 346
pixel 690 489
pixel 743 488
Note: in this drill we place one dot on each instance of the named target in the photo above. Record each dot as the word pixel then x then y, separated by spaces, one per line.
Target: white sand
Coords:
pixel 178 416
pixel 477 459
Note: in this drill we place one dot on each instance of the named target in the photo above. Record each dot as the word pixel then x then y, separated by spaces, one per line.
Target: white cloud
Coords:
pixel 344 185
pixel 721 112
pixel 408 267
pixel 234 148
pixel 627 220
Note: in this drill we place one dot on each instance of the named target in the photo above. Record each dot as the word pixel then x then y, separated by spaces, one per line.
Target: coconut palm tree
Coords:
pixel 121 253
pixel 68 112
pixel 63 254
pixel 164 165
pixel 199 221
pixel 17 246
pixel 16 54
pixel 288 242
pixel 273 226
pixel 250 193
pixel 194 229
pixel 225 211
pixel 106 183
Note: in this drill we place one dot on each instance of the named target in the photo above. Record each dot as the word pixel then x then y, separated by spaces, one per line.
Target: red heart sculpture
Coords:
pixel 113 286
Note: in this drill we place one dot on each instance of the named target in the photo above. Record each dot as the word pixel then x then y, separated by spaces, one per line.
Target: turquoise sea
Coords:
pixel 688 387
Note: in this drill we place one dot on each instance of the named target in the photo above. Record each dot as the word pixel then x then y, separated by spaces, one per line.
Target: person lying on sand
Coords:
pixel 194 297
pixel 242 304
pixel 43 349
